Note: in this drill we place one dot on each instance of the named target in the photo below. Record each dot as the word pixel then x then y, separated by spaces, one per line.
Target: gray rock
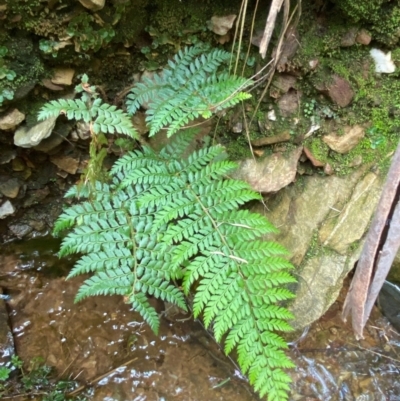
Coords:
pixel 66 163
pixel 289 103
pixel 20 230
pixel 11 119
pixel 271 173
pixel 28 137
pixel 10 188
pixel 6 209
pixel 59 134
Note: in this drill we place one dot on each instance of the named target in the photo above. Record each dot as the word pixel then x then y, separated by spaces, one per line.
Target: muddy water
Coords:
pixel 102 343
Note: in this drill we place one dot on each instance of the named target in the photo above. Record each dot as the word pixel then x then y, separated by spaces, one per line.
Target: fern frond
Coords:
pixel 163 217
pixel 190 86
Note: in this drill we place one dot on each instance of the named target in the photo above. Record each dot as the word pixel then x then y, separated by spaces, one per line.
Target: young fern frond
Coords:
pixel 189 87
pixel 141 232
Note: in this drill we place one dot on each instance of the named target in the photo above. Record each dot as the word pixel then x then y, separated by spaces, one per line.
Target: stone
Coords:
pixel 289 103
pixel 363 37
pixel 93 5
pixel 221 25
pixel 18 164
pixel 349 38
pixel 345 143
pixel 11 119
pixel 10 188
pixel 383 62
pixel 7 154
pixel 237 128
pixel 281 85
pixel 270 174
pixel 352 220
pixel 20 230
pixel 63 76
pixel 28 137
pixel 271 115
pixel 36 196
pixel 340 91
pixel 83 130
pixel 313 64
pixel 66 163
pixel 269 140
pixel 389 303
pixel 58 136
pixel 49 85
pixel 6 209
pixel 314 161
pixel 289 48
pixel 328 170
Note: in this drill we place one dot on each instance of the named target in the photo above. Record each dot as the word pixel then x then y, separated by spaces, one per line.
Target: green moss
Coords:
pixel 382 17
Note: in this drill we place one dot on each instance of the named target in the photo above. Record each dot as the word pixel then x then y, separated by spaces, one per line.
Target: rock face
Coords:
pixel 28 137
pixel 270 174
pixel 323 221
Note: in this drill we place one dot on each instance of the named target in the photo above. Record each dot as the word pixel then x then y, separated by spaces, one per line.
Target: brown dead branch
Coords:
pixel 377 254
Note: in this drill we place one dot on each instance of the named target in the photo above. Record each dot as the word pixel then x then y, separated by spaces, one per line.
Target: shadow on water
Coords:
pixel 103 342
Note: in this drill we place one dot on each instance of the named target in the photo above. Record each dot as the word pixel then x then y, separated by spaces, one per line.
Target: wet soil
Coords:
pixel 104 345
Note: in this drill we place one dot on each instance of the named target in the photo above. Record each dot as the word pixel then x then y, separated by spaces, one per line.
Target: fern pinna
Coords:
pixel 165 218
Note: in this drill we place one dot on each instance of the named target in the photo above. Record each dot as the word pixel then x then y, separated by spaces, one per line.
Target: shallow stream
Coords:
pixel 101 343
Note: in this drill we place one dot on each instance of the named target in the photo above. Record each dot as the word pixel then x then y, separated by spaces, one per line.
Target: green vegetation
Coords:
pixel 165 225
pixel 35 381
pixel 6 76
pixel 190 87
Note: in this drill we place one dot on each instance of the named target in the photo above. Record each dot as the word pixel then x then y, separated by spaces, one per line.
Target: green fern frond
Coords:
pixel 165 217
pixel 189 87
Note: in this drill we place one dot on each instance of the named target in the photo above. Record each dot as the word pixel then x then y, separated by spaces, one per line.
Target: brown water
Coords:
pixel 101 342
